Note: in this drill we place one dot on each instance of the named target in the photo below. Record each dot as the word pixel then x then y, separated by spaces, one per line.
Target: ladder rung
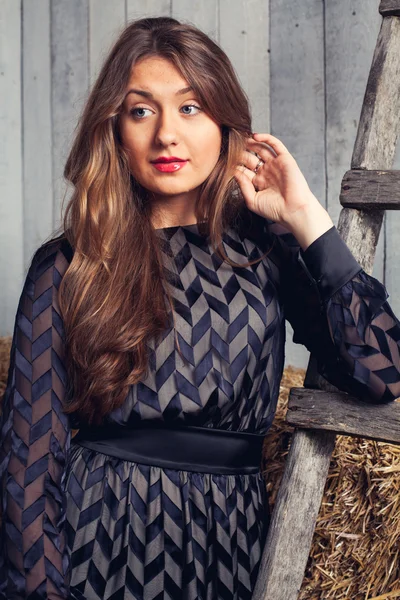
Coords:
pixel 368 189
pixel 390 8
pixel 343 414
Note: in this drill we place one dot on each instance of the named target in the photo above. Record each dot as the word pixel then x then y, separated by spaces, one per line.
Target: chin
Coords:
pixel 171 188
pixel 170 192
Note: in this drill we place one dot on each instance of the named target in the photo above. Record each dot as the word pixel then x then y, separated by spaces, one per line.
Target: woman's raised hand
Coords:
pixel 279 189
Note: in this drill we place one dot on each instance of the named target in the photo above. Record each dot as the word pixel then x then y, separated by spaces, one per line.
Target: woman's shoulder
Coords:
pixel 55 253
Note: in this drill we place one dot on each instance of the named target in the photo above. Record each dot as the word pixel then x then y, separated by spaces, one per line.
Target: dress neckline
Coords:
pixel 190 226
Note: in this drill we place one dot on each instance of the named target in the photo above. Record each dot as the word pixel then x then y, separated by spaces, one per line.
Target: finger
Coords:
pixel 250 160
pixel 266 153
pixel 246 185
pixel 249 173
pixel 272 141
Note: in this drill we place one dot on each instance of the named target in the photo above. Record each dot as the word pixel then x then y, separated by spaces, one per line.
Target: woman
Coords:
pixel 155 324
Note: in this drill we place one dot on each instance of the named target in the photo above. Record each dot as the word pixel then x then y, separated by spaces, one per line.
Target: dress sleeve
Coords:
pixel 35 438
pixel 341 314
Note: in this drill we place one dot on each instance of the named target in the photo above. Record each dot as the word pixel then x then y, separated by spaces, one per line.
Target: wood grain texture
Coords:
pixel 287 547
pixel 297 100
pixel 11 191
pixel 294 516
pixel 70 77
pixel 244 36
pixel 374 148
pixel 204 14
pixel 106 21
pixel 371 189
pixel 36 125
pixel 344 414
pixel 389 8
pixel 295 71
pixel 351 32
pixel 148 8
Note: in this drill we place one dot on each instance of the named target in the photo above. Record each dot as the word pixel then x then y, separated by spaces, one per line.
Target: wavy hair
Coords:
pixel 113 296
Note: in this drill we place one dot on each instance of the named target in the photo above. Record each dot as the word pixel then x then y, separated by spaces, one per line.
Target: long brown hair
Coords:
pixel 113 294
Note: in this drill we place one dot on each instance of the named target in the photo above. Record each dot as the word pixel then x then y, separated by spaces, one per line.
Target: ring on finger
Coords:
pixel 258 165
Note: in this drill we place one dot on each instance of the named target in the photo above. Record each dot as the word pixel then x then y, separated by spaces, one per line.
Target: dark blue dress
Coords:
pixel 80 524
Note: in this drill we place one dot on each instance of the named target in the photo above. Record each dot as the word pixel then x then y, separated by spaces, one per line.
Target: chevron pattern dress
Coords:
pixel 83 525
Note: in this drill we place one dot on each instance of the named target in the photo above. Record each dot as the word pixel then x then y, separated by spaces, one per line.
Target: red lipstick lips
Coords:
pixel 168 164
pixel 165 159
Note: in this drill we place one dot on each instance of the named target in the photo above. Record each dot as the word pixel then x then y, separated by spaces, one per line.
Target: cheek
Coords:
pixel 211 150
pixel 135 152
pixel 130 141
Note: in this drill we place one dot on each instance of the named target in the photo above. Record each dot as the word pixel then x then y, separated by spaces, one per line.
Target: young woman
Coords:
pixel 155 324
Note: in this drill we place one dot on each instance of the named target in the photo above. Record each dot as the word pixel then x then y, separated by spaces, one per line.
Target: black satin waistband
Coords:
pixel 186 447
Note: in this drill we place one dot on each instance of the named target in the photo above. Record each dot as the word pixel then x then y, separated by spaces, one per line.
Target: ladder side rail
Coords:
pixel 283 562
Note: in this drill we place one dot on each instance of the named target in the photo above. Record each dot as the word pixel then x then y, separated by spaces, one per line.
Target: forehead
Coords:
pixel 154 70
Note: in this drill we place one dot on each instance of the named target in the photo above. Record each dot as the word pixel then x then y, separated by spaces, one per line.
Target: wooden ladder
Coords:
pixel 319 414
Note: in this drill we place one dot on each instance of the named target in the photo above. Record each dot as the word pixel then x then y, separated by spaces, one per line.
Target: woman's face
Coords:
pixel 160 120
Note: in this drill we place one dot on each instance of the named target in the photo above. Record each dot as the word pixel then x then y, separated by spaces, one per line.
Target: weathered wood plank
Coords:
pixel 361 229
pixel 392 249
pixel 201 13
pixel 297 102
pixel 389 8
pixel 379 123
pixel 378 131
pixel 352 30
pixel 287 548
pixel 36 123
pixel 244 36
pixel 392 229
pixel 299 498
pixel 344 414
pixel 106 21
pixel 371 189
pixel 11 206
pixel 69 74
pixel 147 8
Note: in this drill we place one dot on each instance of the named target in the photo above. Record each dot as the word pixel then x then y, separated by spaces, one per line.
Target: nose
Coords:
pixel 167 131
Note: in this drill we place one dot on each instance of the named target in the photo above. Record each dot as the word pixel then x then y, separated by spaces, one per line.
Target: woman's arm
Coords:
pixel 340 313
pixel 35 438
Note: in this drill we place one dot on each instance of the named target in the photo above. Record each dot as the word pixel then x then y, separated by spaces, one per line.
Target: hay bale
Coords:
pixel 5 347
pixel 355 549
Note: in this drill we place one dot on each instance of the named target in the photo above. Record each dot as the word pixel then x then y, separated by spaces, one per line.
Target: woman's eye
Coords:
pixel 133 111
pixel 191 106
pixel 140 116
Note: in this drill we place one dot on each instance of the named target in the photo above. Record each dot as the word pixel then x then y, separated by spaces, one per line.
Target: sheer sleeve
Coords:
pixel 341 314
pixel 35 438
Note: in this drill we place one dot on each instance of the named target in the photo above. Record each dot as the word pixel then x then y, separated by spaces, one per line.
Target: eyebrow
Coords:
pixel 184 90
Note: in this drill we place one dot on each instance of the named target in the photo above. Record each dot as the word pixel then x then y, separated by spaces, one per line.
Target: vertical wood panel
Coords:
pixel 297 86
pixel 315 48
pixel 392 249
pixel 148 8
pixel 11 208
pixel 298 103
pixel 36 121
pixel 69 74
pixel 201 13
pixel 106 22
pixel 244 36
pixel 351 33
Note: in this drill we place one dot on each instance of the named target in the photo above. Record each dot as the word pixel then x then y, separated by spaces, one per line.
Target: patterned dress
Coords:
pixel 80 524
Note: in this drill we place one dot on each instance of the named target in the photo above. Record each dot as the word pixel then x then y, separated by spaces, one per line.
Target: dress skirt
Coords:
pixel 137 531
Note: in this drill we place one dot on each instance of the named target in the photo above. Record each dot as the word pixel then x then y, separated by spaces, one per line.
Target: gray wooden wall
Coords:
pixel 303 63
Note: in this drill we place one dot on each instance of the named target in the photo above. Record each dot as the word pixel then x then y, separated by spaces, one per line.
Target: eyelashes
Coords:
pixel 139 118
